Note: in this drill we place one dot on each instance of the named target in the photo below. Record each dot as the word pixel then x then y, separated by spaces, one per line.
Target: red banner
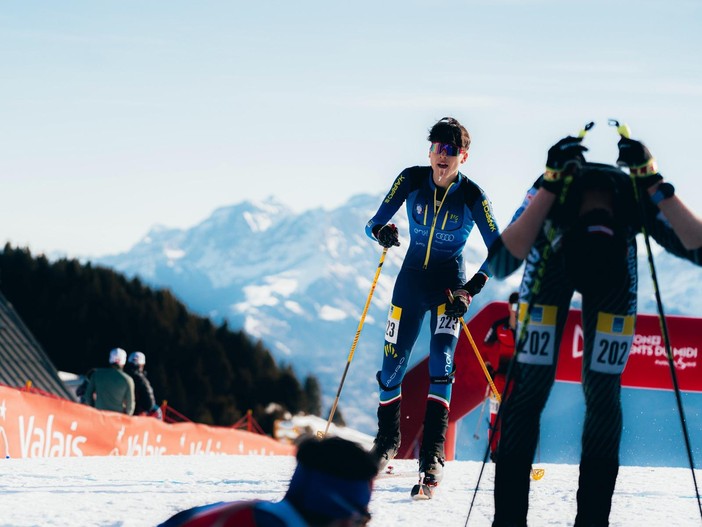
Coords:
pixel 648 365
pixel 34 425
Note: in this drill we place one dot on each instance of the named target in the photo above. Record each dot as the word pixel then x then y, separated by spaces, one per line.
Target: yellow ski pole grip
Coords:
pixel 586 129
pixel 477 353
pixel 622 129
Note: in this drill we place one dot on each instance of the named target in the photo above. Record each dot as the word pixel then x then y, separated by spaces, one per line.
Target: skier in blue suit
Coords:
pixel 443 206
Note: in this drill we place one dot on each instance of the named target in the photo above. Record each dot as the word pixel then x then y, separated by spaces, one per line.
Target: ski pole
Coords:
pixel 482 411
pixel 477 353
pixel 624 131
pixel 355 341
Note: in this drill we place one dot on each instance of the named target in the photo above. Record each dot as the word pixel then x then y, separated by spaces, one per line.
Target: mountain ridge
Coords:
pixel 299 281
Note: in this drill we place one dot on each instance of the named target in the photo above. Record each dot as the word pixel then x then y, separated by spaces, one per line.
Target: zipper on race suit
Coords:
pixel 433 223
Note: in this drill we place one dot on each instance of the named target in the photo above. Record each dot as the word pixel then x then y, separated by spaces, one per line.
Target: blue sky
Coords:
pixel 119 115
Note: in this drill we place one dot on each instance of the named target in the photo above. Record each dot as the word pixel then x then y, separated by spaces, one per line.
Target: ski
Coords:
pixel 422 491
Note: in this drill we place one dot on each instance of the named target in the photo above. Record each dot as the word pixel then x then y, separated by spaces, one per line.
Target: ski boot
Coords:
pixel 595 488
pixel 431 454
pixel 387 442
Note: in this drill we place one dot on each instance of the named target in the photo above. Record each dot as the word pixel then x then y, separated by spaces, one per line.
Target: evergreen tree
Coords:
pixel 209 373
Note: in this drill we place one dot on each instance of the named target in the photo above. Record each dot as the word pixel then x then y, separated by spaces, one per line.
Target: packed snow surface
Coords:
pixel 144 491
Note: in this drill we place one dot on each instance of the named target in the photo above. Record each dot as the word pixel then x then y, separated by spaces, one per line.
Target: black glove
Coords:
pixel 490 370
pixel 642 165
pixel 459 306
pixel 156 412
pixel 475 284
pixel 564 158
pixel 387 235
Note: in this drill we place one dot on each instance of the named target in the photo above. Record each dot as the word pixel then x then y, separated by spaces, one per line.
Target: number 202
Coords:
pixel 613 353
pixel 537 342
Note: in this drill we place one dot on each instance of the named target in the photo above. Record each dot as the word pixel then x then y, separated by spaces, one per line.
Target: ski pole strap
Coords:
pixel 446 379
pixel 386 388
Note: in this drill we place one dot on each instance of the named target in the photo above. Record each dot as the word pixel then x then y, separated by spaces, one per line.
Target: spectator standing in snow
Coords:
pixel 145 402
pixel 111 388
pixel 500 340
pixel 331 487
pixel 577 230
pixel 443 206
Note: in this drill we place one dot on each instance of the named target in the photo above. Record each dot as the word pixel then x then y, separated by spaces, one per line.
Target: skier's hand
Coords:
pixel 563 158
pixel 490 370
pixel 642 165
pixel 459 306
pixel 476 284
pixel 387 235
pixel 156 412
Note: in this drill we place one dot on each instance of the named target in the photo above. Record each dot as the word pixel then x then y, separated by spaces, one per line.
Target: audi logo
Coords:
pixel 443 236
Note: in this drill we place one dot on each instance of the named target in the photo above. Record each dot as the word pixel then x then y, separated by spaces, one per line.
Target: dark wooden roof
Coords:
pixel 22 358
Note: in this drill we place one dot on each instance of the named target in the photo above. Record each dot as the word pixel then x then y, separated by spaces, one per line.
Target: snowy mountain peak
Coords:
pixel 299 283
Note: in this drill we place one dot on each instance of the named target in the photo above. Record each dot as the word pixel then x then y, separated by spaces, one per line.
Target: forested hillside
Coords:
pixel 78 312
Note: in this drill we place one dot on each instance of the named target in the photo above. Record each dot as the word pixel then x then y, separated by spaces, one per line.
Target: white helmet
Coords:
pixel 137 358
pixel 118 356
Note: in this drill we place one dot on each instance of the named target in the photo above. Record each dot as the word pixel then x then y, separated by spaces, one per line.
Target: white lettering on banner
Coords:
pixel 38 441
pixel 139 445
pixel 578 341
pixel 647 339
pixel 652 346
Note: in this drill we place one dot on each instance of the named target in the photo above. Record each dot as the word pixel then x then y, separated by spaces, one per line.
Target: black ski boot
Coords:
pixel 387 442
pixel 595 488
pixel 431 454
pixel 511 490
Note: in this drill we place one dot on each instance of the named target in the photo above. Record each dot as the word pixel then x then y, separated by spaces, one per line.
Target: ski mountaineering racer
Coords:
pixel 576 230
pixel 500 342
pixel 443 206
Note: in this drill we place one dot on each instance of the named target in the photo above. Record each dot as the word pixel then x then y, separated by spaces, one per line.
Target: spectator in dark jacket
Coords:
pixel 145 400
pixel 111 388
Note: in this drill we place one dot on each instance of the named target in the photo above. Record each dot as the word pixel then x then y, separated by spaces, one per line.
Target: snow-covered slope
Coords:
pixel 145 491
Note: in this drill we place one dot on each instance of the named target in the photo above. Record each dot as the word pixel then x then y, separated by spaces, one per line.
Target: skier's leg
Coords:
pixel 444 337
pixel 532 378
pixel 608 328
pixel 404 322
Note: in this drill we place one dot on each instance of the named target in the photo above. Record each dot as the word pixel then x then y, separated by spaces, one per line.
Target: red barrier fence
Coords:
pixel 33 425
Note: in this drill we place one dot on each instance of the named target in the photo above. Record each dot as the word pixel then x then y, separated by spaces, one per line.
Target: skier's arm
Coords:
pixel 390 205
pixel 661 230
pixel 481 210
pixel 562 161
pixel 88 397
pixel 508 252
pixel 643 169
pixel 682 220
pixel 129 397
pixel 520 235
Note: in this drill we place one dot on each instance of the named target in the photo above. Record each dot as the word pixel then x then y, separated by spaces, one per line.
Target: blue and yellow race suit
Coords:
pixel 439 225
